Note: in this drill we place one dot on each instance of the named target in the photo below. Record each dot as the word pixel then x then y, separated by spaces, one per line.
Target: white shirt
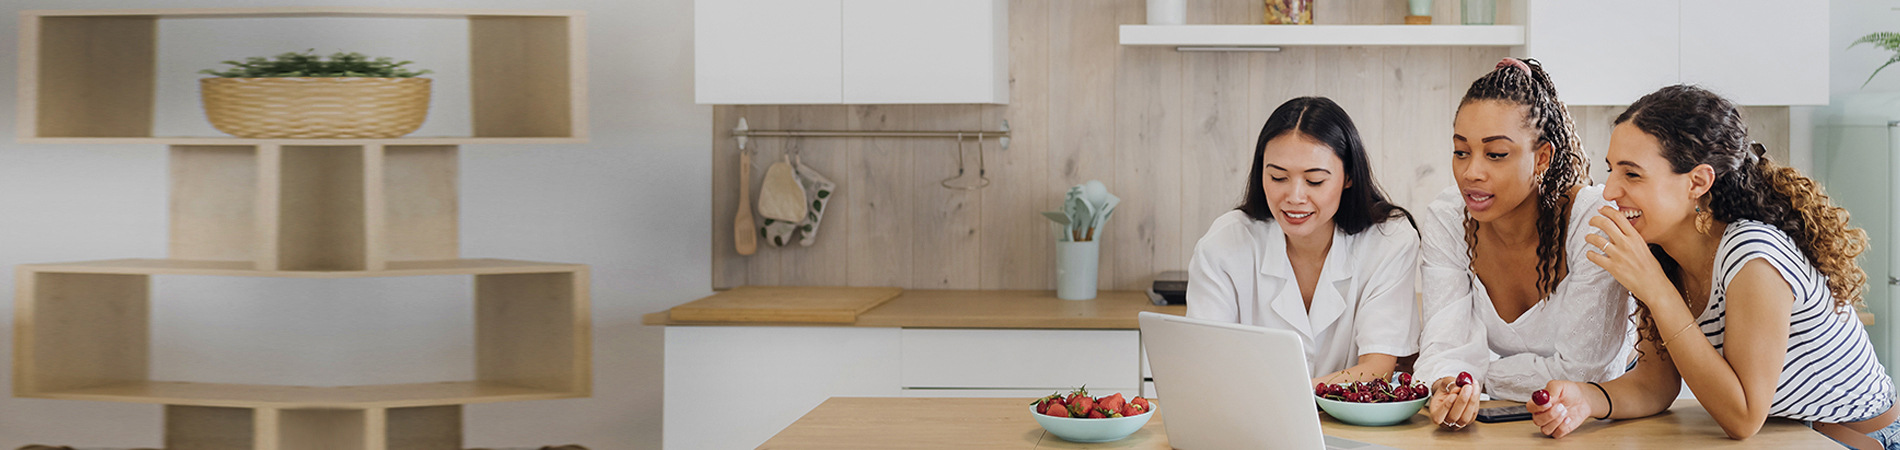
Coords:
pixel 1362 304
pixel 1582 332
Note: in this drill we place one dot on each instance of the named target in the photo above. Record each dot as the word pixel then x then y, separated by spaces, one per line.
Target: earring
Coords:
pixel 1702 220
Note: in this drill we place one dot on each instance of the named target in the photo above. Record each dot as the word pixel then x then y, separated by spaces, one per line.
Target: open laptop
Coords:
pixel 1232 386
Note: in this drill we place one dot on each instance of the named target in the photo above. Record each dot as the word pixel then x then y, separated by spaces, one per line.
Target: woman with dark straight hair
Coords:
pixel 1747 281
pixel 1314 249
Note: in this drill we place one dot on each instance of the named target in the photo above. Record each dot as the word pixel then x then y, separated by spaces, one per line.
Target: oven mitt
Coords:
pixel 781 198
pixel 819 189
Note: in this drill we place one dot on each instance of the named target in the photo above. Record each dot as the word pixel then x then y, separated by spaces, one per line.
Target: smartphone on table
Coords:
pixel 1504 414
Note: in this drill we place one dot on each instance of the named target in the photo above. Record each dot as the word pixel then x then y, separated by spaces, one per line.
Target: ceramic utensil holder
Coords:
pixel 1167 12
pixel 1480 12
pixel 1076 269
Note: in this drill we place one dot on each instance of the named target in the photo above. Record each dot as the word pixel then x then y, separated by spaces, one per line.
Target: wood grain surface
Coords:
pixel 1171 133
pixel 844 423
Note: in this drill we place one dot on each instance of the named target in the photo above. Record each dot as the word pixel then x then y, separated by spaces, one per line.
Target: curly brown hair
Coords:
pixel 1529 85
pixel 1698 127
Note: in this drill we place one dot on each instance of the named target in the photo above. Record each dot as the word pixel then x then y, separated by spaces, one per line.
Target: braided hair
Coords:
pixel 1524 83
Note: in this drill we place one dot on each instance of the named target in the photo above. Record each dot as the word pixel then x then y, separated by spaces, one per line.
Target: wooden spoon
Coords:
pixel 745 238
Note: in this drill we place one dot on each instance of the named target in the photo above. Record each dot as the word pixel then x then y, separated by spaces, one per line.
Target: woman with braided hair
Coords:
pixel 1713 237
pixel 1502 254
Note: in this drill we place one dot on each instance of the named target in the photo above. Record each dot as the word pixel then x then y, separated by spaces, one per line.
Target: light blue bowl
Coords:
pixel 1092 430
pixel 1370 414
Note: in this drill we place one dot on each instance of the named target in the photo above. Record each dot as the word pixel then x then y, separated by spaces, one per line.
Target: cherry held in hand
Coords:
pixel 1541 397
pixel 1464 379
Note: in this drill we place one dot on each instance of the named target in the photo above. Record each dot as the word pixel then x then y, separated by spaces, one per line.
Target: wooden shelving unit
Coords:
pixel 87 76
pixel 300 208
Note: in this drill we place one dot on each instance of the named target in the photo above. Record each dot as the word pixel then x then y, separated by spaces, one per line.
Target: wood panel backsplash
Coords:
pixel 1171 133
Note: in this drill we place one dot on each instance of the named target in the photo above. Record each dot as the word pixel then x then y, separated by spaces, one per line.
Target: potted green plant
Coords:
pixel 303 95
pixel 1884 40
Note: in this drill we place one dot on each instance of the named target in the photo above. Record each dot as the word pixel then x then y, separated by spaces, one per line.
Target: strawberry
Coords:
pixel 1142 402
pixel 1056 409
pixel 1112 402
pixel 1097 414
pixel 1084 402
pixel 1130 410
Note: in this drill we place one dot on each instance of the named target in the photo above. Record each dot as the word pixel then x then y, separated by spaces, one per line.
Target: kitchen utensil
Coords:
pixel 782 198
pixel 1085 215
pixel 982 178
pixel 1097 193
pixel 1101 217
pixel 1058 217
pixel 743 238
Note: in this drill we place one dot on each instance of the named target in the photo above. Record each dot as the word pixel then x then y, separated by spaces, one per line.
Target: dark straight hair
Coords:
pixel 1362 204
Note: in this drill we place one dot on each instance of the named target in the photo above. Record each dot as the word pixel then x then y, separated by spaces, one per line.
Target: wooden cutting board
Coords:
pixel 801 304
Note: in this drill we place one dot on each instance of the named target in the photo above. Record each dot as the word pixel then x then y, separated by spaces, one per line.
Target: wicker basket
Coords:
pixel 310 108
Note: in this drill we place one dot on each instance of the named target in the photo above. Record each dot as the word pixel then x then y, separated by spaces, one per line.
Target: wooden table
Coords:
pixel 843 423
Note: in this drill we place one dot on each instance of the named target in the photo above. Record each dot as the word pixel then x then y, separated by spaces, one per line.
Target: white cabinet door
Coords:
pixel 1757 52
pixel 1022 359
pixel 926 51
pixel 768 51
pixel 735 387
pixel 1605 52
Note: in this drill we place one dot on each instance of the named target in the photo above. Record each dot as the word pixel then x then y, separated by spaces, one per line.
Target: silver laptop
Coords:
pixel 1231 386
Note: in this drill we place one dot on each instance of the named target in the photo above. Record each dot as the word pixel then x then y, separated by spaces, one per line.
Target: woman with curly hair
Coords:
pixel 1502 254
pixel 1710 235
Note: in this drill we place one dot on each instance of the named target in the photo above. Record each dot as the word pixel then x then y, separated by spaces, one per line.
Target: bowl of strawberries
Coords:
pixel 1078 417
pixel 1381 402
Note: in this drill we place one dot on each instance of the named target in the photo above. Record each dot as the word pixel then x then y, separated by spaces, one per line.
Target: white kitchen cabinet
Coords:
pixel 768 51
pixel 1604 52
pixel 935 51
pixel 1612 52
pixel 851 51
pixel 1033 359
pixel 735 387
pixel 1757 52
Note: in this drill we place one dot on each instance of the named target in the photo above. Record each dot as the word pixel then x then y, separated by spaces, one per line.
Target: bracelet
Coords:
pixel 1610 405
pixel 1665 342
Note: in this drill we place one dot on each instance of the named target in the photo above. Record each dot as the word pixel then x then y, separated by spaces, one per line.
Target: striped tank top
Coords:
pixel 1830 373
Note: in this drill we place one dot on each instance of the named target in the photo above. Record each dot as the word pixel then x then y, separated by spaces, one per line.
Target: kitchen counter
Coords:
pixel 843 423
pixel 1110 310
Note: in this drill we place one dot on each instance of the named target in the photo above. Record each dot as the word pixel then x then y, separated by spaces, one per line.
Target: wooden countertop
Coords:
pixel 844 423
pixel 987 309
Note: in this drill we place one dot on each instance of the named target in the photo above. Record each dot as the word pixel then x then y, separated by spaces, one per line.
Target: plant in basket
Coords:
pixel 304 95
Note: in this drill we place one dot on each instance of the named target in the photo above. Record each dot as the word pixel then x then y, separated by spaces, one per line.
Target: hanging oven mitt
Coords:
pixel 818 191
pixel 781 198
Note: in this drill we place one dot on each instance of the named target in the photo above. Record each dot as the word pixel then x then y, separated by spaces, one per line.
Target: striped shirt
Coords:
pixel 1830 373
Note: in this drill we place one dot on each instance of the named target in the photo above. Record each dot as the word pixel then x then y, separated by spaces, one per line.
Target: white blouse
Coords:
pixel 1363 302
pixel 1582 332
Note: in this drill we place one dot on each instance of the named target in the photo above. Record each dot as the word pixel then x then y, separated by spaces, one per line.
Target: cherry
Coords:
pixel 1541 397
pixel 1319 389
pixel 1402 378
pixel 1464 379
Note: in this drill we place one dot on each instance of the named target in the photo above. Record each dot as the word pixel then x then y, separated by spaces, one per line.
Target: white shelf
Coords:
pixel 1323 35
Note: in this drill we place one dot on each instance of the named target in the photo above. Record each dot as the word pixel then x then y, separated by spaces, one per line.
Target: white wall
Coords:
pixel 632 204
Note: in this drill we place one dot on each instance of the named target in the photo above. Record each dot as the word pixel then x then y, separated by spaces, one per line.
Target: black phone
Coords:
pixel 1504 414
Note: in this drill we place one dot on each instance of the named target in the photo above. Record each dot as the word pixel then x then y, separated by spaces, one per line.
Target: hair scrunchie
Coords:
pixel 1513 62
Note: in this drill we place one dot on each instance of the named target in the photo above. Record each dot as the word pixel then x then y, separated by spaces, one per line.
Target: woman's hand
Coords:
pixel 1622 252
pixel 1453 407
pixel 1567 410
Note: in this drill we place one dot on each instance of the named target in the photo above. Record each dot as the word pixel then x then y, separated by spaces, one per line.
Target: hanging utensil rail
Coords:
pixel 743 132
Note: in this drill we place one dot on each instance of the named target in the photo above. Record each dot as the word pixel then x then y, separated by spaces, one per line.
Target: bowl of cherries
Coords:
pixel 1381 402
